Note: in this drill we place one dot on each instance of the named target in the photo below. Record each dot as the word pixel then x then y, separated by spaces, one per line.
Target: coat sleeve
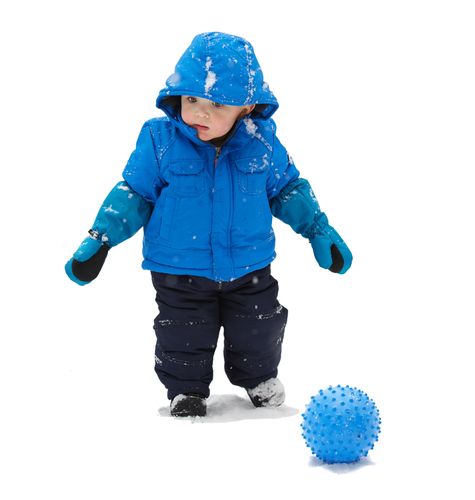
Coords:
pixel 282 170
pixel 142 172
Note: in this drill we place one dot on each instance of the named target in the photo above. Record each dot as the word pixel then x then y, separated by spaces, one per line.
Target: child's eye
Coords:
pixel 191 99
pixel 217 105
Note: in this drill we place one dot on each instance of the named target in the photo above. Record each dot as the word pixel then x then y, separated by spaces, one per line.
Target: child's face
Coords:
pixel 210 119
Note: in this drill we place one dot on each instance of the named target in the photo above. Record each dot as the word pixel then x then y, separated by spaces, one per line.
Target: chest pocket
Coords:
pixel 187 177
pixel 252 175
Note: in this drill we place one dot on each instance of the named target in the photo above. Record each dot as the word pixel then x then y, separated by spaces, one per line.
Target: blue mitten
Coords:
pixel 297 206
pixel 122 214
pixel 330 251
pixel 87 262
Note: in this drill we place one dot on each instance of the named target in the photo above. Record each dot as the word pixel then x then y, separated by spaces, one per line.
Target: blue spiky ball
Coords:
pixel 341 424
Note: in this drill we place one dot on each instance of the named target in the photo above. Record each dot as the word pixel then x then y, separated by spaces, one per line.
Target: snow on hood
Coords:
pixel 222 68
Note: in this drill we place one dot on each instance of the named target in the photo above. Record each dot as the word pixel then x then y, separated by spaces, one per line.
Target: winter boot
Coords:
pixel 188 405
pixel 268 393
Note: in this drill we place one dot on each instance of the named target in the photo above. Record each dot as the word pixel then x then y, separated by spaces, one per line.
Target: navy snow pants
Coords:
pixel 192 311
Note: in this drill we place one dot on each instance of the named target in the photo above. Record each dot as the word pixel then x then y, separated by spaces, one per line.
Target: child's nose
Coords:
pixel 202 113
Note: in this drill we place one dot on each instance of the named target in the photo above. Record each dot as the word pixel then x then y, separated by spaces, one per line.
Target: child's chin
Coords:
pixel 204 136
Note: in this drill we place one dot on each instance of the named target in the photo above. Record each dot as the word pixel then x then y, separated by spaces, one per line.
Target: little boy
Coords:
pixel 204 182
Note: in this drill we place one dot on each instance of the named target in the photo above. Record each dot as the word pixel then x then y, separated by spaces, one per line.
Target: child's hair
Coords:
pixel 174 101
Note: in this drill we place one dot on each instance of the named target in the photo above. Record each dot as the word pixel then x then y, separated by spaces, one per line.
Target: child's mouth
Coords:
pixel 201 128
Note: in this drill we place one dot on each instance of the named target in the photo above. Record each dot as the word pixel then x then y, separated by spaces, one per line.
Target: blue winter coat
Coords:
pixel 211 218
pixel 207 211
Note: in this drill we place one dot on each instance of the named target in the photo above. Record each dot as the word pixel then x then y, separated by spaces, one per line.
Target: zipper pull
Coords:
pixel 218 152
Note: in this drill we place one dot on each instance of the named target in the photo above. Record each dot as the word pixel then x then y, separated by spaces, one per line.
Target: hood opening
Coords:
pixel 173 103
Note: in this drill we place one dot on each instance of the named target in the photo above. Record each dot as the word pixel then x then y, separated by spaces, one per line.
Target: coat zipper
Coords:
pixel 218 152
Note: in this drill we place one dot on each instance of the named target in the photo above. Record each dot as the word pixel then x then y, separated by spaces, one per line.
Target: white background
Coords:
pixel 377 110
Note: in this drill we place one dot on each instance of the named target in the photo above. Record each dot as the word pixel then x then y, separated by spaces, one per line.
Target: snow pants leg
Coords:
pixel 192 311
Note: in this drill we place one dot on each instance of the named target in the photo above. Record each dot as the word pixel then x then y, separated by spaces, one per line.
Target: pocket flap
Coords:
pixel 251 165
pixel 185 167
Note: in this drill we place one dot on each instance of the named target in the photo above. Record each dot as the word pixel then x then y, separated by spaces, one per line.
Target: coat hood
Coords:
pixel 222 68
